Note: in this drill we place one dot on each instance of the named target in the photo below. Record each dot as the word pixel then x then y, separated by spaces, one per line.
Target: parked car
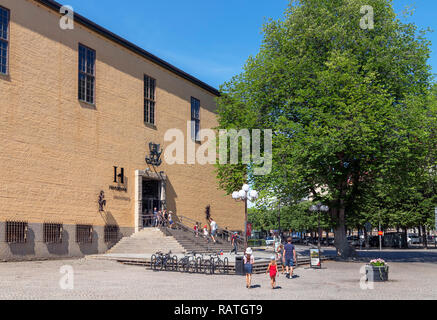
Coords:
pixel 353 240
pixel 270 241
pixel 413 239
pixel 374 241
pixel 432 239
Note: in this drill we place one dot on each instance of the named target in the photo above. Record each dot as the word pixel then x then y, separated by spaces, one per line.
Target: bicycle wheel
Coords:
pixel 226 266
pixel 159 264
pixel 207 267
pixel 220 266
pixel 153 262
pixel 175 263
pixel 193 266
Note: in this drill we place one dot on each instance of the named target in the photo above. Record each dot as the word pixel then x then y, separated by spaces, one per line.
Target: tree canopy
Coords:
pixel 352 111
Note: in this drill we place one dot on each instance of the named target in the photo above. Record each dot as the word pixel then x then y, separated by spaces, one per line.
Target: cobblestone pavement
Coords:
pixel 95 279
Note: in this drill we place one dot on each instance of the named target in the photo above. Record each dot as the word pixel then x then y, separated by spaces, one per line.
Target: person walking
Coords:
pixel 159 218
pixel 273 270
pixel 196 230
pixel 206 233
pixel 248 260
pixel 214 228
pixel 165 218
pixel 170 219
pixel 234 242
pixel 289 258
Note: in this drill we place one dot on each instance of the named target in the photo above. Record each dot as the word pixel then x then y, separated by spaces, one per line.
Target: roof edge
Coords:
pixel 132 47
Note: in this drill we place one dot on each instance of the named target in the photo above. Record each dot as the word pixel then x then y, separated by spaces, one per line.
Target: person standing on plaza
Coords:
pixel 234 242
pixel 214 228
pixel 248 260
pixel 273 270
pixel 170 219
pixel 155 217
pixel 289 258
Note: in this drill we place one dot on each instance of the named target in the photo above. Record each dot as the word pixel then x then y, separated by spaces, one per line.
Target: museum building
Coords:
pixel 83 115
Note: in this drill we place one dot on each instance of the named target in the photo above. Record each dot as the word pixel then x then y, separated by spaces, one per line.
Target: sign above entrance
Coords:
pixel 155 155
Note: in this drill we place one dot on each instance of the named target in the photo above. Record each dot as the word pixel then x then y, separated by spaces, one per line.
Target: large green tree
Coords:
pixel 348 106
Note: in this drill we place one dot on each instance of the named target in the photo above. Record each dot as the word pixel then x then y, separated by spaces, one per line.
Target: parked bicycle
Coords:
pixel 160 261
pixel 218 264
pixel 188 263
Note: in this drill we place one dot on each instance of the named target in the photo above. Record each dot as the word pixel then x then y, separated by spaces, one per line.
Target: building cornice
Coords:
pixel 132 47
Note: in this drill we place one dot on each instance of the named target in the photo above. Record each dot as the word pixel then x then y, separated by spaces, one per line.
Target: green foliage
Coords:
pixel 351 111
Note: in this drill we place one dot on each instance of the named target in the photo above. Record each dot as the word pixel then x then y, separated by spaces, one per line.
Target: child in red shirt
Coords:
pixel 273 270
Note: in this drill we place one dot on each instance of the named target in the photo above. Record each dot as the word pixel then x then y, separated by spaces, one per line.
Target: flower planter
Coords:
pixel 377 274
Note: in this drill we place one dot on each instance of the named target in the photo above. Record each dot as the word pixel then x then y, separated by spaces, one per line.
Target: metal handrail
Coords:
pixel 228 233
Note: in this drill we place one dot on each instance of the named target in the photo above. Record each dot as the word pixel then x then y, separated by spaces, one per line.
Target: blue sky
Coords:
pixel 209 39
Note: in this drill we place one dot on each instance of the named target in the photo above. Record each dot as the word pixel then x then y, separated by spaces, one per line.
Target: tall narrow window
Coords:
pixel 4 40
pixel 149 99
pixel 87 70
pixel 195 119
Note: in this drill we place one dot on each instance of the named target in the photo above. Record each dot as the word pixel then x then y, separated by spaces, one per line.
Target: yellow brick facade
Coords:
pixel 57 154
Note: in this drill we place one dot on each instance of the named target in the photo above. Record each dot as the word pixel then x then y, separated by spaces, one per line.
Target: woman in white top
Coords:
pixel 248 260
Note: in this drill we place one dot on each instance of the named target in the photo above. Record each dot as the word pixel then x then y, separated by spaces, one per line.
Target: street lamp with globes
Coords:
pixel 319 208
pixel 243 195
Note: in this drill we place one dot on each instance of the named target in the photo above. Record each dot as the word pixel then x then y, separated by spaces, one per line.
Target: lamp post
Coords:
pixel 319 208
pixel 243 195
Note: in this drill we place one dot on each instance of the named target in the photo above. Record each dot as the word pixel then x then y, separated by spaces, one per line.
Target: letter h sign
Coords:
pixel 119 177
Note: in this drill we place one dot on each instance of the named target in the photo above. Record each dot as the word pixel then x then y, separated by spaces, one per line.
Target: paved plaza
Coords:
pixel 410 278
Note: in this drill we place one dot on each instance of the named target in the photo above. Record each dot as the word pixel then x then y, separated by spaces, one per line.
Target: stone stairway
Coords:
pixel 190 243
pixel 147 241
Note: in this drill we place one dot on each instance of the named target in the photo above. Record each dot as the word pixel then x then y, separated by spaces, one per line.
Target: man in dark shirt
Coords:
pixel 289 258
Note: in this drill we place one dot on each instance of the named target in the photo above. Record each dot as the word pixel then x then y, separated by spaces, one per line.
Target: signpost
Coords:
pixel 435 228
pixel 315 261
pixel 380 234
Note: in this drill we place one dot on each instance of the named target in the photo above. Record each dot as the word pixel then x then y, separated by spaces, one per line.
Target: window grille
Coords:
pixel 53 232
pixel 87 83
pixel 4 40
pixel 84 233
pixel 111 233
pixel 16 231
pixel 195 119
pixel 149 99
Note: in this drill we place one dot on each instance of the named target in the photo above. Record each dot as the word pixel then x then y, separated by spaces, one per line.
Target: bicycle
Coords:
pixel 217 263
pixel 160 261
pixel 188 263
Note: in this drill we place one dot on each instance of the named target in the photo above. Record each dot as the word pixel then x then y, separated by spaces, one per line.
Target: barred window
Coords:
pixel 4 40
pixel 149 99
pixel 84 233
pixel 195 119
pixel 16 231
pixel 87 83
pixel 52 232
pixel 111 233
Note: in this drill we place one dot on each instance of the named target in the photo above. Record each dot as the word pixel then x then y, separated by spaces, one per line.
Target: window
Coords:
pixel 87 83
pixel 16 232
pixel 195 119
pixel 52 232
pixel 84 233
pixel 4 40
pixel 149 99
pixel 111 233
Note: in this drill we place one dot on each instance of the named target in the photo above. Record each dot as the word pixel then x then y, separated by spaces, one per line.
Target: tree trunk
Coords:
pixel 344 250
pixel 425 238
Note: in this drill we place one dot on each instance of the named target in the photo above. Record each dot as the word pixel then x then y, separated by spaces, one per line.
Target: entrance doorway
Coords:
pixel 151 195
